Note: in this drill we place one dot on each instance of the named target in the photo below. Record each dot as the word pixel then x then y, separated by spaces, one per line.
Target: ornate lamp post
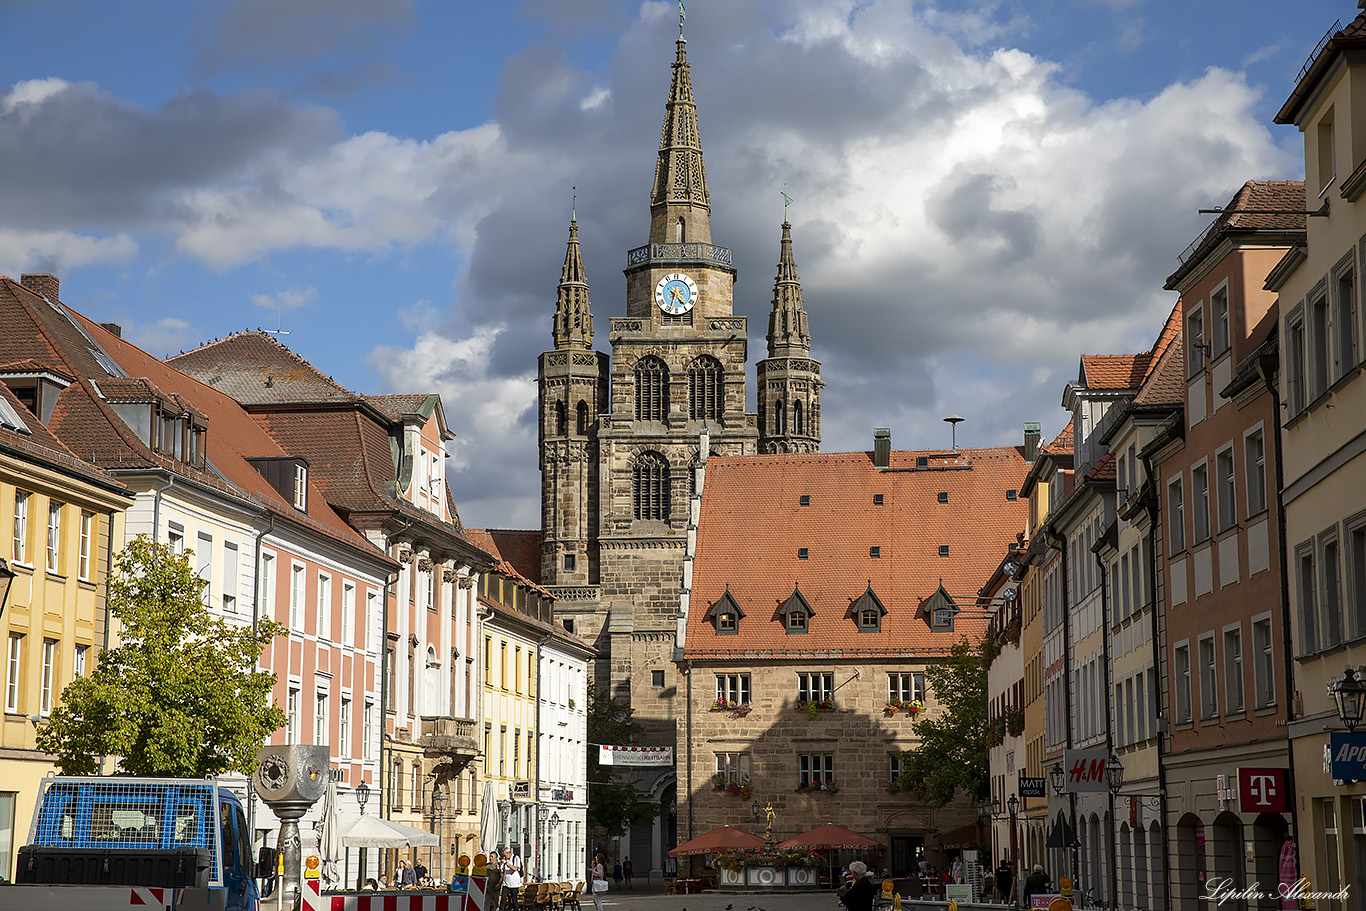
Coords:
pixel 1349 693
pixel 362 798
pixel 1012 805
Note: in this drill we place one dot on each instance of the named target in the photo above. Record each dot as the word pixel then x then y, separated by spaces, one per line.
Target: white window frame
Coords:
pixel 1200 528
pixel 734 688
pixel 343 747
pixel 1264 662
pixel 20 549
pixel 54 536
pixel 48 680
pixel 232 576
pixel 87 528
pixel 1184 709
pixel 1235 684
pixel 1219 320
pixel 1195 339
pixel 78 659
pixel 324 605
pixel 292 697
pixel 297 592
pixel 367 730
pixel 1226 487
pixel 1176 515
pixel 320 719
pixel 300 487
pixel 203 563
pixel 348 617
pixel 1209 677
pixel 1254 469
pixel 1345 312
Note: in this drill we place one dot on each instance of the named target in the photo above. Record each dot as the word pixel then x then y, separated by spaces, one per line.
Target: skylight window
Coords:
pixel 875 551
pixel 877 499
pixel 943 550
pixel 943 496
pixel 805 500
pixel 10 418
pixel 801 553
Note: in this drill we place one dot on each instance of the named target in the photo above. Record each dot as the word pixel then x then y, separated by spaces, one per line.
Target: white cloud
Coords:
pixel 289 299
pixel 61 250
pixel 32 91
pixel 164 337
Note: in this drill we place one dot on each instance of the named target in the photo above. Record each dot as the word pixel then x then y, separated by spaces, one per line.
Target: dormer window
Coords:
pixel 725 614
pixel 796 613
pixel 940 610
pixel 868 611
pixel 288 475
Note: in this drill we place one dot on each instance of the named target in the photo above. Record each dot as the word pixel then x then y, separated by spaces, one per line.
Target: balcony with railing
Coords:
pixel 679 253
pixel 448 737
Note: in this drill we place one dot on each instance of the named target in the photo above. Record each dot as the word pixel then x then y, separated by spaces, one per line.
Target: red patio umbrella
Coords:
pixel 834 837
pixel 725 838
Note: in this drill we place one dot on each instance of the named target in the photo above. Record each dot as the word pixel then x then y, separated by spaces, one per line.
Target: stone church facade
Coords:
pixel 620 435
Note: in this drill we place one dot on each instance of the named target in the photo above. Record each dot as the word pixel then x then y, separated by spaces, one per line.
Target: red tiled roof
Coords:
pixel 1165 385
pixel 1104 470
pixel 752 527
pixel 1114 371
pixel 520 548
pixel 255 369
pixel 1062 443
pixel 1262 207
pixel 487 540
pixel 41 443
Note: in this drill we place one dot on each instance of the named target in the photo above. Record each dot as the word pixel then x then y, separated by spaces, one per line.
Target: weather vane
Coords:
pixel 574 203
pixel 787 201
pixel 682 14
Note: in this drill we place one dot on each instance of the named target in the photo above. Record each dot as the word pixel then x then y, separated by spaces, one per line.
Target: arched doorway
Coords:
pixel 1189 872
pixel 1226 854
pixel 1269 832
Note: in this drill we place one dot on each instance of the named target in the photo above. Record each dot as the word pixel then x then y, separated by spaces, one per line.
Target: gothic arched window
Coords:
pixel 705 389
pixel 583 418
pixel 797 417
pixel 560 420
pixel 652 389
pixel 650 487
pixel 780 417
pixel 680 233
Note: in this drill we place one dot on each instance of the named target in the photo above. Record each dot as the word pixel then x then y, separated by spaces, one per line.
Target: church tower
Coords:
pixel 789 381
pixel 572 381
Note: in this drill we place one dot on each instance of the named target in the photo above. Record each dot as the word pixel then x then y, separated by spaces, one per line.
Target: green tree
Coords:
pixel 952 753
pixel 613 801
pixel 180 695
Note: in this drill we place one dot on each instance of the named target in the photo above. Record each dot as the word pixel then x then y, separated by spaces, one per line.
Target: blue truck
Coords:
pixel 100 843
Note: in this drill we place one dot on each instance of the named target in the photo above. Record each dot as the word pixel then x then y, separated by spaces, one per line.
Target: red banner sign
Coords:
pixel 1262 790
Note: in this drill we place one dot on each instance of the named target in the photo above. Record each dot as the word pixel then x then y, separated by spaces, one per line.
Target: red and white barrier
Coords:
pixel 470 900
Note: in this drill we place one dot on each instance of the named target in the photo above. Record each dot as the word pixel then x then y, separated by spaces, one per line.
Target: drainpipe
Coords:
pixel 1153 507
pixel 255 625
pixel 1109 727
pixel 108 574
pixel 1059 543
pixel 156 508
pixel 1266 369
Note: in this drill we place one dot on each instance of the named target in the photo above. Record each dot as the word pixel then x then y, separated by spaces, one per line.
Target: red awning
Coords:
pixel 833 836
pixel 717 840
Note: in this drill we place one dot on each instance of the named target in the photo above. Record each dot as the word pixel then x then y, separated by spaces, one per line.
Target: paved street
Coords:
pixel 654 899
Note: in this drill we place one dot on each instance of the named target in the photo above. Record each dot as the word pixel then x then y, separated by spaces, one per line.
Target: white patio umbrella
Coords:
pixel 488 821
pixel 373 832
pixel 329 837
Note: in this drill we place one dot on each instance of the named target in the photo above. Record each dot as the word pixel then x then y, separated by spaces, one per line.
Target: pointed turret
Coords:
pixel 789 388
pixel 573 319
pixel 788 334
pixel 680 208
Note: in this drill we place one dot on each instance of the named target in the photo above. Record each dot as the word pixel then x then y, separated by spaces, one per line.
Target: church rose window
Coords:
pixel 651 484
pixel 704 389
pixel 652 386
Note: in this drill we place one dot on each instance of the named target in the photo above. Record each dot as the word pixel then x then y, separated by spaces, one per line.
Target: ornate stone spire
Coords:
pixel 573 319
pixel 679 205
pixel 788 333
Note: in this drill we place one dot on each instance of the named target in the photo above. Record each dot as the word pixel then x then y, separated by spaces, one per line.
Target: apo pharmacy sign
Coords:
pixel 1345 757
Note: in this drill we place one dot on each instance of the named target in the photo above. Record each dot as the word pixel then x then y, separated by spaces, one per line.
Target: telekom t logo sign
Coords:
pixel 1262 790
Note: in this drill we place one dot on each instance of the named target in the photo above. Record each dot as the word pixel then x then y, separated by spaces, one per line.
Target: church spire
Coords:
pixel 788 333
pixel 573 319
pixel 680 208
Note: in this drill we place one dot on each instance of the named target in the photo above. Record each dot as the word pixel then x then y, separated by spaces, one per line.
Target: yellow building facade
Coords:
pixel 58 516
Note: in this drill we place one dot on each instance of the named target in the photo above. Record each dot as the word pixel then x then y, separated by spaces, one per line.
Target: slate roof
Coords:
pixel 752 525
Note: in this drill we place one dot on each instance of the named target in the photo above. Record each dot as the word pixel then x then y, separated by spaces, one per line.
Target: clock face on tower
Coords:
pixel 676 293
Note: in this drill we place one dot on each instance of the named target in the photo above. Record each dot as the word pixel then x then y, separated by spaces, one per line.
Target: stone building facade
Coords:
pixel 620 434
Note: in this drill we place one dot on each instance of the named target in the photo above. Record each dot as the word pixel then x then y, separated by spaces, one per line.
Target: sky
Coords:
pixel 982 191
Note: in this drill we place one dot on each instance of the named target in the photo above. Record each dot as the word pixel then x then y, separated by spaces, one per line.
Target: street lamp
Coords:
pixel 1349 693
pixel 1012 805
pixel 362 796
pixel 1057 777
pixel 1114 774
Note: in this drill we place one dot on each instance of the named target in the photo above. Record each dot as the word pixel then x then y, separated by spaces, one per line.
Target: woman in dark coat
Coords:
pixel 861 894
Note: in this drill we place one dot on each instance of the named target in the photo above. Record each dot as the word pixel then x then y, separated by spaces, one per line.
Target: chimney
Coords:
pixel 113 329
pixel 44 283
pixel 1031 444
pixel 882 447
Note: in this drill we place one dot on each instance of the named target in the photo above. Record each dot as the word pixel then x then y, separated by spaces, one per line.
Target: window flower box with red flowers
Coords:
pixel 738 709
pixel 812 786
pixel 912 707
pixel 740 789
